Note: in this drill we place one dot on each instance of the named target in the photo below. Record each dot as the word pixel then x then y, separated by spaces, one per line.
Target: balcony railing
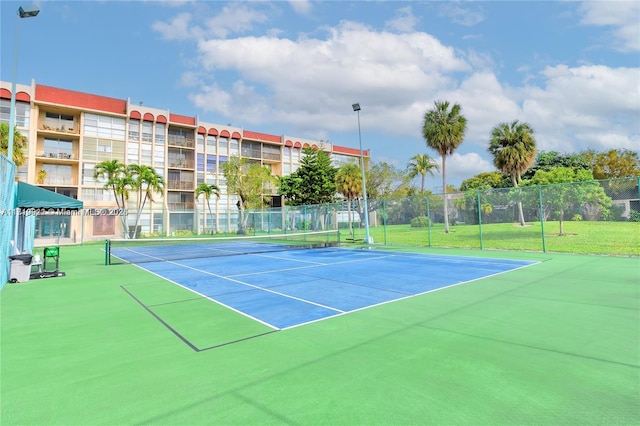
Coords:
pixel 182 164
pixel 186 205
pixel 57 154
pixel 180 141
pixel 180 184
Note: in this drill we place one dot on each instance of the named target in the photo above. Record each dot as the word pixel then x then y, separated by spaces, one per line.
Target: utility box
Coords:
pixel 20 268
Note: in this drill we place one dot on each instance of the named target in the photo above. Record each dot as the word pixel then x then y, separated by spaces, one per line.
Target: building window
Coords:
pixel 211 145
pixel 134 130
pixel 181 137
pixel 158 156
pixel 59 122
pixel 147 129
pixel 200 143
pixel 271 152
pixel 104 126
pixel 159 133
pixel 251 149
pixel 23 112
pixel 233 147
pixel 145 153
pixel 102 149
pixel 223 146
pixel 133 156
pixel 58 148
pixel 87 175
pixel 58 174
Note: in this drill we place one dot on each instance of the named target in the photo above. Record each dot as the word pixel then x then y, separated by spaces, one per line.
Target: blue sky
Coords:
pixel 569 69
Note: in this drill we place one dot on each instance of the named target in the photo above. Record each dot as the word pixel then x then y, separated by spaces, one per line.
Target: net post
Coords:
pixel 107 249
pixel 479 218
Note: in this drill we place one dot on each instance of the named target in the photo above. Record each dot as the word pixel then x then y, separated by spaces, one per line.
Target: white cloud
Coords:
pixel 466 16
pixel 178 29
pixel 461 167
pixel 303 7
pixel 233 18
pixel 306 86
pixel 622 16
pixel 403 22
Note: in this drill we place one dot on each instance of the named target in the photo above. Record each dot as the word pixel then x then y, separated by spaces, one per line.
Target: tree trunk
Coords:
pixel 349 215
pixel 444 194
pixel 514 180
pixel 211 217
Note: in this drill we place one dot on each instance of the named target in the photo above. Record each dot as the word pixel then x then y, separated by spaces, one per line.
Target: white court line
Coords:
pixel 308 266
pixel 257 287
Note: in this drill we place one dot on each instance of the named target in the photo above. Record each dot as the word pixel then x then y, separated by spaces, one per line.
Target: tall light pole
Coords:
pixel 367 236
pixel 22 13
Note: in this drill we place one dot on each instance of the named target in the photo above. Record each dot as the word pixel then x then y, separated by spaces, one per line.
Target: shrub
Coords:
pixel 576 218
pixel 420 222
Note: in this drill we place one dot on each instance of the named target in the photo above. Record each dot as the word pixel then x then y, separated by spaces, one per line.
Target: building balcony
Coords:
pixel 181 164
pixel 186 205
pixel 66 156
pixel 180 185
pixel 73 132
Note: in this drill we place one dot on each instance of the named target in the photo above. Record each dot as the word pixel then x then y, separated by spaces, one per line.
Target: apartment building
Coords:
pixel 69 132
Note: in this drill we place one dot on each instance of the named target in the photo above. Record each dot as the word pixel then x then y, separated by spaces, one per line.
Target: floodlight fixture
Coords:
pixel 27 13
pixel 356 107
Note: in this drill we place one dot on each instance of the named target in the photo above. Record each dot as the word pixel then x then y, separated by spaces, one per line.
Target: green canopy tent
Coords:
pixel 42 201
pixel 34 197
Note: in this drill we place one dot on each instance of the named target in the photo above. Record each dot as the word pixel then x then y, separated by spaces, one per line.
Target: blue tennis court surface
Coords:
pixel 290 288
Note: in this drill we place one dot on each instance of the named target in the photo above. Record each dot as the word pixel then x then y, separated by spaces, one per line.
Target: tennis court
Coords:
pixel 522 338
pixel 286 286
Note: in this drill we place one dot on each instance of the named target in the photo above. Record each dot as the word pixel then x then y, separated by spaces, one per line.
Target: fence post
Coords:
pixel 428 222
pixel 480 221
pixel 544 245
pixel 384 220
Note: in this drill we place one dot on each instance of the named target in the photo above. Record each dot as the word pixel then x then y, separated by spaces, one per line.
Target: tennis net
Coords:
pixel 171 249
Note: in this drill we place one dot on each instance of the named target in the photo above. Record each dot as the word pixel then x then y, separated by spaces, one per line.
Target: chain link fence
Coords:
pixel 594 217
pixel 7 176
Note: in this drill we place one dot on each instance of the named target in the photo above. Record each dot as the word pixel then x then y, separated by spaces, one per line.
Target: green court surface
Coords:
pixel 554 343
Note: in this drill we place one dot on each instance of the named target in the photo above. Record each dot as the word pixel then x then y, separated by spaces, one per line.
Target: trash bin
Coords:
pixel 20 268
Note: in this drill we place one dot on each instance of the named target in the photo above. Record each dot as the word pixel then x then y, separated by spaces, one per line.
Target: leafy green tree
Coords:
pixel 145 181
pixel 549 160
pixel 613 163
pixel 483 181
pixel 348 181
pixel 313 182
pixel 443 130
pixel 208 190
pixel 479 186
pixel 514 150
pixel 421 164
pixel 565 189
pixel 248 181
pixel 19 144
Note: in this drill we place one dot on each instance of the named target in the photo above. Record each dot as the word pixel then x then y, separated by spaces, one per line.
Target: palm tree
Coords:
pixel 421 164
pixel 208 190
pixel 443 129
pixel 19 144
pixel 113 172
pixel 514 150
pixel 348 182
pixel 146 181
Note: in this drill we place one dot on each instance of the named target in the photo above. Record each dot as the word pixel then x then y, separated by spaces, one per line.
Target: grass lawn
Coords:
pixel 554 343
pixel 611 238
